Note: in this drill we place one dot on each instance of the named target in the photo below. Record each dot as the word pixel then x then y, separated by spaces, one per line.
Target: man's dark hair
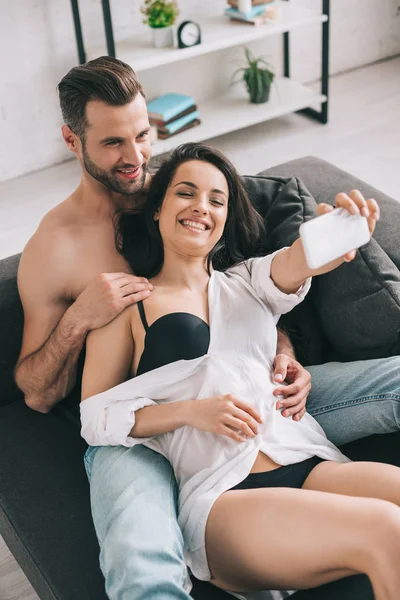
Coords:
pixel 138 237
pixel 106 79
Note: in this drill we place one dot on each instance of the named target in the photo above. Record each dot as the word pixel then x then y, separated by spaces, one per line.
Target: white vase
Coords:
pixel 162 36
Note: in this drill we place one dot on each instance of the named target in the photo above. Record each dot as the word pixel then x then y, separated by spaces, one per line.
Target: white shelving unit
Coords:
pixel 231 111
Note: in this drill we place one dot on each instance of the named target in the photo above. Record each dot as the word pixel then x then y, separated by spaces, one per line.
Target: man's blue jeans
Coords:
pixel 134 492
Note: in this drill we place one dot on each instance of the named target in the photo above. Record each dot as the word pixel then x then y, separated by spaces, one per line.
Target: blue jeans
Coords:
pixel 134 493
pixel 133 496
pixel 356 399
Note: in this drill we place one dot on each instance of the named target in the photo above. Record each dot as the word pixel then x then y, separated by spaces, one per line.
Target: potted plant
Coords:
pixel 257 76
pixel 160 16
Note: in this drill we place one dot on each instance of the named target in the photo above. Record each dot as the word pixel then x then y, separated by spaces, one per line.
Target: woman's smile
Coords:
pixel 194 224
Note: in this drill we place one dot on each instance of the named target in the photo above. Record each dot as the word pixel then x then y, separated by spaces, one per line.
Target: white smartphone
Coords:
pixel 332 235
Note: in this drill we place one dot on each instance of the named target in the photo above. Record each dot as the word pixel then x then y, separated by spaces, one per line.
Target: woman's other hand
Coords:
pixel 294 395
pixel 356 204
pixel 225 415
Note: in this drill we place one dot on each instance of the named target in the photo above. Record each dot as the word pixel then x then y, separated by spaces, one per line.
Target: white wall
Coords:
pixel 37 47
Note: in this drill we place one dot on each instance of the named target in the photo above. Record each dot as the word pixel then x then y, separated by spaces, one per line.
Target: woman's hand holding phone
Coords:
pixel 331 238
pixel 326 241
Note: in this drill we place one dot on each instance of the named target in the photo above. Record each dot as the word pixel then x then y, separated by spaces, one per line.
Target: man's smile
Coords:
pixel 132 173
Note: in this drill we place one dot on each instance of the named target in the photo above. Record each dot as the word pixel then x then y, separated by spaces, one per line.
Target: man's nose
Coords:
pixel 132 155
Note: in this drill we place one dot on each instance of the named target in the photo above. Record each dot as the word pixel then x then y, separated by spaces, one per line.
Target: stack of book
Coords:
pixel 173 113
pixel 257 12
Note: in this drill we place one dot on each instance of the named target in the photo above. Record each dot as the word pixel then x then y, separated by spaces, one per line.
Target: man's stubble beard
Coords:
pixel 111 181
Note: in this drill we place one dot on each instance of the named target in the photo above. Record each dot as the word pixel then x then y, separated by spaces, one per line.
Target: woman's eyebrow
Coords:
pixel 194 186
pixel 189 183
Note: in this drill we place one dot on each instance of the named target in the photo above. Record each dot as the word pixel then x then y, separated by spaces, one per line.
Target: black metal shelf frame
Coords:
pixel 321 116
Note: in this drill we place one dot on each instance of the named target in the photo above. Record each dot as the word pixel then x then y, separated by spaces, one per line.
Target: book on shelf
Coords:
pixel 254 12
pixel 167 107
pixel 177 125
pixel 235 3
pixel 271 14
pixel 163 135
pixel 260 20
pixel 161 123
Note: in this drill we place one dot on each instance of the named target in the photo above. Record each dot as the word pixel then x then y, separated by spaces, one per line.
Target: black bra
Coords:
pixel 173 337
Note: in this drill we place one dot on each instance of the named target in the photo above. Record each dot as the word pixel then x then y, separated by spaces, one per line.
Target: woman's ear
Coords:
pixel 156 215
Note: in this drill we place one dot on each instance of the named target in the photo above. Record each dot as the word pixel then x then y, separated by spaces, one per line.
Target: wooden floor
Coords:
pixel 362 137
pixel 13 583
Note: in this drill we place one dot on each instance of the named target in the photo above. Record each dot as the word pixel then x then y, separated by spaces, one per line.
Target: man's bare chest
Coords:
pixel 94 257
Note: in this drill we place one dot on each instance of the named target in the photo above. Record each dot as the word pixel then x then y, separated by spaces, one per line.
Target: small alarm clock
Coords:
pixel 189 34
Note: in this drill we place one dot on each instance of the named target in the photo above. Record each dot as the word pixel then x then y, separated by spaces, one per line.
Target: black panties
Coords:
pixel 292 476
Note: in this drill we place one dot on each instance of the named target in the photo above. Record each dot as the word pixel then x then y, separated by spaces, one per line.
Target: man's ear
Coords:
pixel 156 216
pixel 70 138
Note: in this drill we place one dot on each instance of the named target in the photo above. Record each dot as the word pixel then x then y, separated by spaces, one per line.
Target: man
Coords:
pixel 72 279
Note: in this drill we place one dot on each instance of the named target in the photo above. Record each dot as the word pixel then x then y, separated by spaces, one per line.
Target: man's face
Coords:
pixel 116 146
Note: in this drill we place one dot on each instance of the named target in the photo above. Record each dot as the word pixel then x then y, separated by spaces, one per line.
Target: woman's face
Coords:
pixel 195 208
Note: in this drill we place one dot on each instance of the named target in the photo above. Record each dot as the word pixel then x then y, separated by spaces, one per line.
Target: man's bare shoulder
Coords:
pixel 50 254
pixel 61 219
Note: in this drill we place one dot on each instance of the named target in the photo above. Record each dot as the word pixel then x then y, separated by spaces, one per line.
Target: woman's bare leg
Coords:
pixel 367 479
pixel 280 538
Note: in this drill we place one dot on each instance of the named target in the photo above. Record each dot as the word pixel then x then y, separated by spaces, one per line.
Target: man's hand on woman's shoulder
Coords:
pixel 106 296
pixel 294 395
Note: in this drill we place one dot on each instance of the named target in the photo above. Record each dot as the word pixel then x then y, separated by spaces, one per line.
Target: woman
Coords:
pixel 258 492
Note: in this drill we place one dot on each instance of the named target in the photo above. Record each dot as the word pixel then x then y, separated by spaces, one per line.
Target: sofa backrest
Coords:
pixel 11 325
pixel 357 306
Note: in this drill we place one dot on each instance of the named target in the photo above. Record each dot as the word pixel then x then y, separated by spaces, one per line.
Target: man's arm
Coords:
pixel 293 396
pixel 52 338
pixel 284 345
pixel 54 332
pixel 48 374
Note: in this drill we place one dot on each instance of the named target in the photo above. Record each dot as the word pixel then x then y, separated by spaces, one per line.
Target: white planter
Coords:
pixel 162 36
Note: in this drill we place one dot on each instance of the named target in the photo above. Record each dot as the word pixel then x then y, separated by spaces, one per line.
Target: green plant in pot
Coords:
pixel 257 76
pixel 160 16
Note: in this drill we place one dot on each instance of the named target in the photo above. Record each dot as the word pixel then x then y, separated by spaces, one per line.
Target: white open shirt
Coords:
pixel 244 307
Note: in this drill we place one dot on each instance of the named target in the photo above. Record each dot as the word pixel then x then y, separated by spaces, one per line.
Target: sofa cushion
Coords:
pixel 334 322
pixel 284 204
pixel 359 305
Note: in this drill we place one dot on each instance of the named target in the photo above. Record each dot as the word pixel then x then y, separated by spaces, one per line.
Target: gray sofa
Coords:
pixel 44 495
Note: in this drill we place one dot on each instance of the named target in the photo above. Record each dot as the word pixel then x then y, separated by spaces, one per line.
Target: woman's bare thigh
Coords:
pixel 275 538
pixel 367 479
